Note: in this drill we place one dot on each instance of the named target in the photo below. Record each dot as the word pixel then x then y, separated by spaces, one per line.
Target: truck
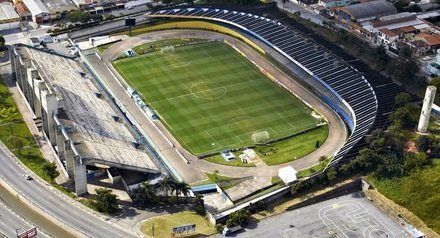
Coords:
pixel 229 230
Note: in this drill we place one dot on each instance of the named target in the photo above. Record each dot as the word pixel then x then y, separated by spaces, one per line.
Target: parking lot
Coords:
pixel 346 216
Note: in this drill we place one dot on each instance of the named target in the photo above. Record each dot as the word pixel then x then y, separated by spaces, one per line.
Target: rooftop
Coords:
pixel 59 6
pixel 431 40
pixel 21 9
pixel 388 32
pixel 7 12
pixel 36 7
pixel 371 9
pixel 87 115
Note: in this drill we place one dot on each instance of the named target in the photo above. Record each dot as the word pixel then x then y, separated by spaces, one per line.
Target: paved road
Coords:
pixel 68 213
pixel 10 222
pixel 345 216
pixel 305 13
pixel 190 172
pixel 105 28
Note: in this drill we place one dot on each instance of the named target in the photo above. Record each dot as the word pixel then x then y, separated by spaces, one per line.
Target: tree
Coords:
pixel 143 195
pixel 239 217
pixel 182 188
pixel 7 115
pixel 423 143
pixel 106 201
pixel 381 56
pixel 436 82
pixel 166 185
pixel 199 205
pixel 16 141
pixel 402 98
pixel 332 174
pixel 215 174
pixel 2 40
pixel 50 170
pixel 97 17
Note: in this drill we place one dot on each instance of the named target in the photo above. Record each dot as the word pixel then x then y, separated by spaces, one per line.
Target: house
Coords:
pixel 332 3
pixel 9 19
pixel 386 36
pixel 23 12
pixel 362 12
pixel 419 48
pixel 38 11
pixel 432 40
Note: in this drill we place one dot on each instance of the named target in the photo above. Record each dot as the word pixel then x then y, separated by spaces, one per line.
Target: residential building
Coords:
pixel 23 11
pixel 332 3
pixel 386 36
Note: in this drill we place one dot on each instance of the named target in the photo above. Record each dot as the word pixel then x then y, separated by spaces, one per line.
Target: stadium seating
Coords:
pixel 340 85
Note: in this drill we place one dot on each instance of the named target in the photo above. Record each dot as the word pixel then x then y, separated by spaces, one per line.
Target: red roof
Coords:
pixel 388 32
pixel 22 9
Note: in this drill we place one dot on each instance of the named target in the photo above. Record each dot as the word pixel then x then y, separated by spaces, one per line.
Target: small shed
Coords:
pixel 287 174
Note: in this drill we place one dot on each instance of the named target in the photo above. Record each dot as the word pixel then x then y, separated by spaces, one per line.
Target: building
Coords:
pixel 332 3
pixel 38 10
pixel 58 9
pixel 386 36
pixel 368 11
pixel 9 19
pixel 23 11
pixel 432 40
pixel 87 133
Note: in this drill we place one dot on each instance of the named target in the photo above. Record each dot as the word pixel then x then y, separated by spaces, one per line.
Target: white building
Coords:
pixel 287 174
pixel 386 36
pixel 38 10
pixel 9 19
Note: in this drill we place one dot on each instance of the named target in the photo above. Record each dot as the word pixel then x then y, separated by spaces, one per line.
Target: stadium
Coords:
pixel 196 89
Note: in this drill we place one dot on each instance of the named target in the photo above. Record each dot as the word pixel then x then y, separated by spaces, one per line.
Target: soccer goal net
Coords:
pixel 167 50
pixel 260 137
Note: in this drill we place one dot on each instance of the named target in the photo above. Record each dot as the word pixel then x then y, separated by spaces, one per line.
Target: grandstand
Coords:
pixel 338 84
pixel 79 121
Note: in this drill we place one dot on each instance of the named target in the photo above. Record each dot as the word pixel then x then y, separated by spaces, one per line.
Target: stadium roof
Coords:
pixel 371 9
pixel 7 12
pixel 87 115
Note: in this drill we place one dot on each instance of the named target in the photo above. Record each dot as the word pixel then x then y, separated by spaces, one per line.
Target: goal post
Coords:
pixel 260 137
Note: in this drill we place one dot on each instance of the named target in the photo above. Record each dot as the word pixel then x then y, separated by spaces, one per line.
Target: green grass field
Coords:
pixel 211 98
pixel 419 193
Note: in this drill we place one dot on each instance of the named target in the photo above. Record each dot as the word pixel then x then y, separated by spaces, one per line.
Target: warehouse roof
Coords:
pixel 371 9
pixel 7 12
pixel 36 7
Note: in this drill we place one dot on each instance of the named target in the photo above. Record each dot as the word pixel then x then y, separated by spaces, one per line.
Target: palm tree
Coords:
pixel 166 184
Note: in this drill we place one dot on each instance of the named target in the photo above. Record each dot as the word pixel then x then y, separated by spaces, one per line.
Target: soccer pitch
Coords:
pixel 211 98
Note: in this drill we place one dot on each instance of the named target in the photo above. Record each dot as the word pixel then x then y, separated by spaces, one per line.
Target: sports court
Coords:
pixel 346 216
pixel 211 98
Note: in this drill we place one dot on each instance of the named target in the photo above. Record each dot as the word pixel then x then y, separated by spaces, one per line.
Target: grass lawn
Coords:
pixel 30 153
pixel 292 148
pixel 161 43
pixel 211 98
pixel 311 170
pixel 419 193
pixel 163 225
pixel 236 162
pixel 212 179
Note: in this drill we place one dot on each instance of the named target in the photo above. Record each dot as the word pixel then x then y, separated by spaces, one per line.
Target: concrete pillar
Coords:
pixel 426 109
pixel 69 157
pixel 60 142
pixel 80 176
